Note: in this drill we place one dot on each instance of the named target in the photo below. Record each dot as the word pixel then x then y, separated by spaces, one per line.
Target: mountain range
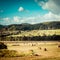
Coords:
pixel 26 26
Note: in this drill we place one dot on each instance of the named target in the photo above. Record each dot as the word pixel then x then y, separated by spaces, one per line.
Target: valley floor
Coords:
pixel 47 50
pixel 30 58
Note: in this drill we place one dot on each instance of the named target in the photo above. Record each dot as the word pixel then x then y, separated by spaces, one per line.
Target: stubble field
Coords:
pixel 34 50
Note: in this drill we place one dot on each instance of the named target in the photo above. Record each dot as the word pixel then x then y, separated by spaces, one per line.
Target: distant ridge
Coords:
pixel 26 26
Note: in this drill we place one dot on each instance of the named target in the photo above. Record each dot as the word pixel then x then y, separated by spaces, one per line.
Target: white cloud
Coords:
pixel 37 19
pixel 21 9
pixel 32 19
pixel 51 17
pixel 51 5
pixel 6 19
pixel 16 18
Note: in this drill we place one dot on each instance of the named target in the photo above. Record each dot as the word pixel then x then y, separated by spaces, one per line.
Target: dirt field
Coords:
pixel 30 58
pixel 35 50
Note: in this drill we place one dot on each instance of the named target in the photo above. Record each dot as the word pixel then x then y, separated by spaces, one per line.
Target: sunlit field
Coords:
pixel 38 33
pixel 30 50
pixel 29 29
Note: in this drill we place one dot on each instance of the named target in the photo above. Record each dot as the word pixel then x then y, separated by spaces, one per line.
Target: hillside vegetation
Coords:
pixel 26 26
pixel 38 33
pixel 21 32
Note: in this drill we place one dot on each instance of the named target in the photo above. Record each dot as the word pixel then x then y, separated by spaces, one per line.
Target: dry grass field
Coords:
pixel 38 50
pixel 37 33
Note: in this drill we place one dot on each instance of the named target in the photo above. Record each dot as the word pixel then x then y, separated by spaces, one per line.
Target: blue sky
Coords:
pixel 29 11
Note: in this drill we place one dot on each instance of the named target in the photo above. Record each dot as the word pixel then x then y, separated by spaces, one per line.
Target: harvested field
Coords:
pixel 34 50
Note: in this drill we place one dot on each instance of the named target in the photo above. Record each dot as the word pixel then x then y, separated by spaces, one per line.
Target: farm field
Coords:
pixel 32 35
pixel 34 50
pixel 38 33
pixel 29 30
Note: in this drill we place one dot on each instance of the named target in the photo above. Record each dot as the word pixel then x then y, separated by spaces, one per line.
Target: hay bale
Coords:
pixel 45 49
pixel 58 46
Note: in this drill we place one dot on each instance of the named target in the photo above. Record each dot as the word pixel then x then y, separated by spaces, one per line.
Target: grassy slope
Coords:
pixel 38 32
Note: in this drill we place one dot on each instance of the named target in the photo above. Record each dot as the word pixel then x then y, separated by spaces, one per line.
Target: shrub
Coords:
pixel 45 49
pixel 40 48
pixel 3 46
pixel 8 53
pixel 36 54
pixel 32 52
pixel 59 46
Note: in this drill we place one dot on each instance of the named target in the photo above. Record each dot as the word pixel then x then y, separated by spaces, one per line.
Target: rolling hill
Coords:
pixel 26 26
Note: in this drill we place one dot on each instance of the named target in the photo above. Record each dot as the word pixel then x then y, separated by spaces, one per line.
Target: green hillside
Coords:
pixel 26 26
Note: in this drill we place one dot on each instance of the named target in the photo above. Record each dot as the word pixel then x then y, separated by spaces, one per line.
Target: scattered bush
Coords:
pixel 40 48
pixel 3 46
pixel 45 49
pixel 59 46
pixel 8 53
pixel 33 44
pixel 36 54
pixel 32 52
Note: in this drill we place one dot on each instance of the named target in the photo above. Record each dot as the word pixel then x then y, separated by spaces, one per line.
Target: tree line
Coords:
pixel 32 38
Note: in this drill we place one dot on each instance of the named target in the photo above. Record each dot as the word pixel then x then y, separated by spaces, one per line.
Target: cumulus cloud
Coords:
pixel 16 18
pixel 37 19
pixel 47 17
pixel 32 19
pixel 51 17
pixel 51 5
pixel 6 19
pixel 21 9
